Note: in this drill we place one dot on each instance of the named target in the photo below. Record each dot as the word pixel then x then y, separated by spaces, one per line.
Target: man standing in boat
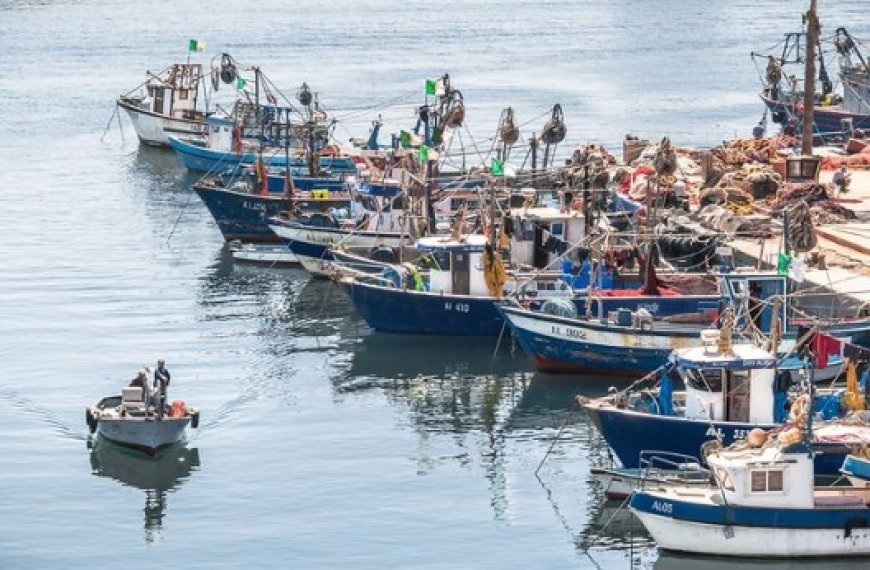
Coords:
pixel 161 385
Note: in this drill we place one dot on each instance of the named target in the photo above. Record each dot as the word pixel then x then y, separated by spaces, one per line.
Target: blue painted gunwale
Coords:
pixel 200 158
pixel 630 432
pixel 763 517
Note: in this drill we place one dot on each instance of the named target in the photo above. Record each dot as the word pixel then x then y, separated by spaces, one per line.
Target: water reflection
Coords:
pixel 674 561
pixel 159 168
pixel 612 526
pixel 392 356
pixel 157 476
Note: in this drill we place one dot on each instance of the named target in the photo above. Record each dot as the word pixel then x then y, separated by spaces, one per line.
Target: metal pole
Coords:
pixel 533 143
pixel 812 21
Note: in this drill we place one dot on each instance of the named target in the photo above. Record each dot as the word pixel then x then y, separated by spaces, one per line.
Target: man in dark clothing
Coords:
pixel 141 381
pixel 161 385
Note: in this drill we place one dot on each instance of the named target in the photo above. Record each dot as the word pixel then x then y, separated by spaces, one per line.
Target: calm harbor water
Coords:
pixel 322 444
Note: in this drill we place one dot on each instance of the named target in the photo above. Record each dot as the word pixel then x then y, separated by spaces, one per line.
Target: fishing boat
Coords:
pixel 764 503
pixel 134 420
pixel 833 113
pixel 626 341
pixel 262 253
pixel 202 156
pixel 376 220
pixel 658 468
pixel 168 103
pixel 729 390
pixel 243 205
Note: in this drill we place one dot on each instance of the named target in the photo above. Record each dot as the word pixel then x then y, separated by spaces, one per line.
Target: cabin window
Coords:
pixel 182 94
pixel 557 229
pixel 440 260
pixel 708 380
pixel 215 129
pixel 766 480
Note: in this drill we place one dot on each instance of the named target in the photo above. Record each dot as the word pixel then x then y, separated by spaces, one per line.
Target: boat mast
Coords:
pixel 812 22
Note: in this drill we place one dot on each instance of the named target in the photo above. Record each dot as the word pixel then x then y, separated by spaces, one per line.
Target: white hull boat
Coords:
pixel 169 103
pixel 154 129
pixel 763 504
pixel 131 421
pixel 263 253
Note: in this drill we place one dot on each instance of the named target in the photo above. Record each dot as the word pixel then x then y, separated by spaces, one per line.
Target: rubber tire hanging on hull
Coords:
pixel 90 420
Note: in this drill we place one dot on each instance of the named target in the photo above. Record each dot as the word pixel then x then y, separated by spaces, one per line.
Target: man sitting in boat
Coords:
pixel 141 381
pixel 161 384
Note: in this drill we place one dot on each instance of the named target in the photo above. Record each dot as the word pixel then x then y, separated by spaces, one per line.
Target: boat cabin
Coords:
pixel 456 264
pixel 174 92
pixel 735 383
pixel 220 133
pixel 542 234
pixel 752 291
pixel 765 477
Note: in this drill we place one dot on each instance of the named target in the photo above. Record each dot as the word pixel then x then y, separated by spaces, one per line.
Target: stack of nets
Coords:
pixel 830 212
pixel 733 198
pixel 743 151
pixel 793 192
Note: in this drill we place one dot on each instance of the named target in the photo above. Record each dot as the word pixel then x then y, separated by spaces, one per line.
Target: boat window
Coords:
pixel 759 481
pixel 182 93
pixel 708 379
pixel 774 480
pixel 557 229
pixel 441 259
pixel 766 480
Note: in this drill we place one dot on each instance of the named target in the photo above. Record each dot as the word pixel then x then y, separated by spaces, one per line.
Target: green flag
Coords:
pixel 431 87
pixel 240 83
pixel 424 153
pixel 497 167
pixel 783 261
pixel 405 139
pixel 195 45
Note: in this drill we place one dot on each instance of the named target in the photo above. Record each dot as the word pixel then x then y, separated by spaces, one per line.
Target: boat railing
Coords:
pixel 652 461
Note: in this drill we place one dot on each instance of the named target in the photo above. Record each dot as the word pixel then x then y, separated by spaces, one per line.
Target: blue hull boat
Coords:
pixel 244 216
pixel 394 310
pixel 827 120
pixel 196 156
pixel 569 345
pixel 390 309
pixel 630 433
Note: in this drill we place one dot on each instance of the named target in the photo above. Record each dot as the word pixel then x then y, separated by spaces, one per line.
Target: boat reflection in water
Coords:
pixel 156 475
pixel 676 561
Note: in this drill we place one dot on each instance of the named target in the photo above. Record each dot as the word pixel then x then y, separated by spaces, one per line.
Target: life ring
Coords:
pixel 799 409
